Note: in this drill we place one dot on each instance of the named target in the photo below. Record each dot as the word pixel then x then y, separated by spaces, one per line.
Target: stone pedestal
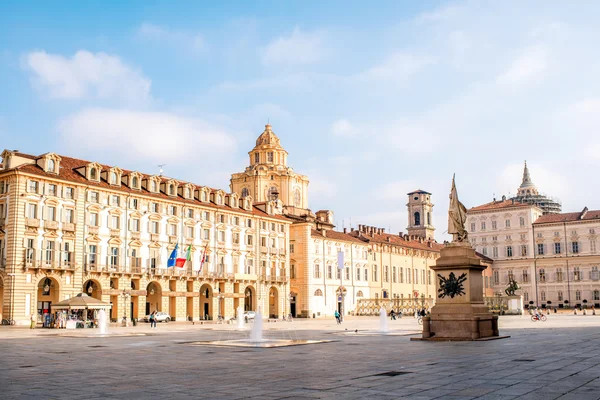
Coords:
pixel 460 312
pixel 514 305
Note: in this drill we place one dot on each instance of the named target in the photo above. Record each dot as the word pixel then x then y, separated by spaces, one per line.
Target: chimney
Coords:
pixel 585 210
pixel 324 232
pixel 351 229
pixel 512 201
pixel 345 230
pixel 400 233
pixel 503 198
pixel 388 239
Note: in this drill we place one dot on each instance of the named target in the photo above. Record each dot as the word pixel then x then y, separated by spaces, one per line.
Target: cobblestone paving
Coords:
pixel 558 360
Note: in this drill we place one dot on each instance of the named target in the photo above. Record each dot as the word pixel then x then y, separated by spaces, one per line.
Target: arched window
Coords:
pixel 297 198
pixel 203 195
pixel 219 199
pixel 171 189
pixel 317 271
pixel 51 165
pixel 93 174
pixel 245 192
pixel 359 293
pixel 187 193
pixel 428 218
pixel 417 219
pixel 153 186
pixel 318 292
pixel 273 193
pixel 113 178
pixel 134 182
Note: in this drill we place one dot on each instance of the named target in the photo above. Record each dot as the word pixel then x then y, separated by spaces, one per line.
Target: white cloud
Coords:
pixel 397 68
pixel 297 48
pixel 191 41
pixel 159 137
pixel 530 65
pixel 343 128
pixel 98 75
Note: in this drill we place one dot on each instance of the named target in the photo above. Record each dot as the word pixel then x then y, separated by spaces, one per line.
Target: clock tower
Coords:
pixel 420 208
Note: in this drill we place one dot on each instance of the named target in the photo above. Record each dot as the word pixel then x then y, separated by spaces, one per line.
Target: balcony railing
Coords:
pixel 68 227
pixel 136 235
pixel 50 224
pixel 172 239
pixel 49 259
pixel 115 232
pixel 154 237
pixel 93 230
pixel 32 223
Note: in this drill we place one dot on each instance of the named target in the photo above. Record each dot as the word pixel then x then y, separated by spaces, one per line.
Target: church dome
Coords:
pixel 268 138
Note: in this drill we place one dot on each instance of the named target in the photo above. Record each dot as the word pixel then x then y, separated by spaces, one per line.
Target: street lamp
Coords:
pixel 125 295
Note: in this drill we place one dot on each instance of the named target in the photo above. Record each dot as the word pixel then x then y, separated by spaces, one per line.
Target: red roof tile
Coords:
pixel 335 235
pixel 388 238
pixel 569 217
pixel 496 205
pixel 69 165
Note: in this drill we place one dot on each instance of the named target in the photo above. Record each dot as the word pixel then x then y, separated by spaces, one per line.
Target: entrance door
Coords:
pixel 206 316
pixel 293 306
pixel 147 308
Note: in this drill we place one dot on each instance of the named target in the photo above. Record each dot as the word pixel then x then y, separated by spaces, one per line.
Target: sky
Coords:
pixel 371 102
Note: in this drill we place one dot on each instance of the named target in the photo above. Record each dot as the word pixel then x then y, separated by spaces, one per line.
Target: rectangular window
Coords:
pixel 358 273
pixel 236 221
pixel 256 158
pixel 189 232
pixel 521 221
pixel 542 273
pixel 540 249
pixel 32 211
pixel 317 271
pixel 401 275
pixel 51 214
pixel 484 251
pixel 494 225
pixel 249 223
pixel 394 275
pixel 592 245
pixel 523 250
pixel 154 227
pixel 483 225
pixel 292 271
pixel 206 216
pixel 509 252
pixel 172 230
pixel 557 248
pixel 115 222
pixel 69 215
pixel 135 225
pixel 386 276
pixel 221 236
pixel 115 200
pixel 114 257
pixel 33 187
pixel 173 210
pixel 270 156
pixel 495 252
pixel 52 190
pixel 496 278
pixel 472 226
pixel 374 273
pixel 249 240
pixel 525 276
pixel 366 274
pixel 507 223
pixel 291 248
pixel 154 207
pixel 94 219
pixel 134 204
pixel 190 213
pixel 206 234
pixel 574 247
pixel 94 198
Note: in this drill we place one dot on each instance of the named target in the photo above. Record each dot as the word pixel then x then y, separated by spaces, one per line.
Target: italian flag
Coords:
pixel 180 262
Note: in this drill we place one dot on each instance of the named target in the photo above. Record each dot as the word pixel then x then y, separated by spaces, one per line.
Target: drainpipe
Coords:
pixel 535 268
pixel 567 261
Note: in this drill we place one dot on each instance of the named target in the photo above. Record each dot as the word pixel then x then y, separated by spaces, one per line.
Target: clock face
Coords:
pixel 297 198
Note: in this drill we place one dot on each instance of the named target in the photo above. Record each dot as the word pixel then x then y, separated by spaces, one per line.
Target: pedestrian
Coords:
pixel 153 319
pixel 32 326
pixel 337 317
pixel 393 315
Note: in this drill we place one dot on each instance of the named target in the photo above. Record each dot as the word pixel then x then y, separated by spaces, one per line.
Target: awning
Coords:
pixel 81 302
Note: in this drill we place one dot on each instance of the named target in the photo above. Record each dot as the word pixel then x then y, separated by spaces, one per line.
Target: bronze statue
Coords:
pixel 512 287
pixel 457 217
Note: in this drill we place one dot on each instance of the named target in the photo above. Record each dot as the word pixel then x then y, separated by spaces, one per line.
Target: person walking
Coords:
pixel 153 319
pixel 337 317
pixel 33 321
pixel 393 315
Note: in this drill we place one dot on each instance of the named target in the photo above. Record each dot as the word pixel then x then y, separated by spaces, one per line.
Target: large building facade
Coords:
pixel 71 226
pixel 552 256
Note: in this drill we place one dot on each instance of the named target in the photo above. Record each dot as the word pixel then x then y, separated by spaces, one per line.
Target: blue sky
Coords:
pixel 370 101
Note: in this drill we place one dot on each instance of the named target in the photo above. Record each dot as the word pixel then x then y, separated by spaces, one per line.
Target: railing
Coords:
pixel 115 232
pixel 172 239
pixel 32 223
pixel 93 230
pixel 403 305
pixel 154 237
pixel 49 259
pixel 68 227
pixel 50 224
pixel 264 249
pixel 136 235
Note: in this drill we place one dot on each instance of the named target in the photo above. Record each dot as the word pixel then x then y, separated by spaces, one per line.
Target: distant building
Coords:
pixel 528 194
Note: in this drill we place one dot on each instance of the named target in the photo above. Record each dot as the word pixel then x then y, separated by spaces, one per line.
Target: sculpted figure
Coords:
pixel 457 217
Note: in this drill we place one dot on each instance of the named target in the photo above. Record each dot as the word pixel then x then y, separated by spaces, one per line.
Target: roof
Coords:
pixel 81 302
pixel 484 258
pixel 388 238
pixel 68 172
pixel 499 205
pixel 419 191
pixel 335 235
pixel 584 215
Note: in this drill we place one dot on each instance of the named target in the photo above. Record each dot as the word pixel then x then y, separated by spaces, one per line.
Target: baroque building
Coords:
pixel 552 256
pixel 70 226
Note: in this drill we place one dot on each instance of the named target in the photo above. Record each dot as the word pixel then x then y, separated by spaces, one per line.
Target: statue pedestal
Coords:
pixel 514 305
pixel 460 312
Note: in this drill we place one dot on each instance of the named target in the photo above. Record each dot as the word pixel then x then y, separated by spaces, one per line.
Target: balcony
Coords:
pixel 154 237
pixel 136 235
pixel 115 232
pixel 49 259
pixel 68 227
pixel 189 240
pixel 264 249
pixel 172 239
pixel 93 230
pixel 50 224
pixel 32 223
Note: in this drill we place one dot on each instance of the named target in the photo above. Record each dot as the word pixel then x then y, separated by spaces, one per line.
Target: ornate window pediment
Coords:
pixel 218 197
pixel 203 194
pixel 113 176
pixel 170 187
pixel 50 162
pixel 134 180
pixel 152 184
pixel 187 191
pixel 93 171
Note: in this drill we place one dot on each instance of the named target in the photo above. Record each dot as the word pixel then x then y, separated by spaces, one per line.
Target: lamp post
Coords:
pixel 125 295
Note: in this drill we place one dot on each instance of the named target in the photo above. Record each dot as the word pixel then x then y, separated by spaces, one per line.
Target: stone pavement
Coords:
pixel 556 359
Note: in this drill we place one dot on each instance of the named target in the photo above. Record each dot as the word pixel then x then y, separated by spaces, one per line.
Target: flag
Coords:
pixel 203 257
pixel 340 260
pixel 172 261
pixel 457 216
pixel 180 262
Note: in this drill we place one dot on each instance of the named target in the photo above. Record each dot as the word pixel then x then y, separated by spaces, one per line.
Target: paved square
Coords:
pixel 556 359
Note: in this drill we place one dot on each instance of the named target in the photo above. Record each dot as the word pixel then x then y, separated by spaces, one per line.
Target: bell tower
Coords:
pixel 420 209
pixel 268 176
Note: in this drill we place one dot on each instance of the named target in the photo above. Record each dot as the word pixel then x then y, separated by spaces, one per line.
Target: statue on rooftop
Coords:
pixel 457 217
